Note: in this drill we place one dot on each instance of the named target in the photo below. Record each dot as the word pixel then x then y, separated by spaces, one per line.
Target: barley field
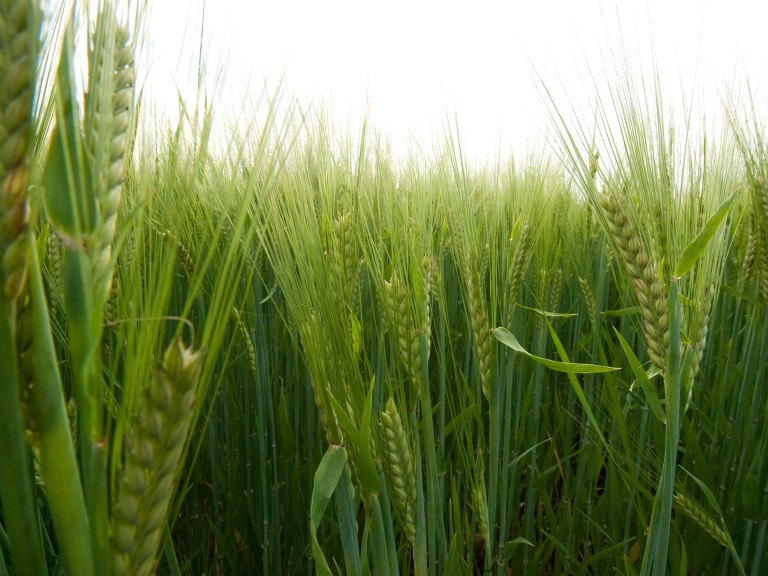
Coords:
pixel 295 355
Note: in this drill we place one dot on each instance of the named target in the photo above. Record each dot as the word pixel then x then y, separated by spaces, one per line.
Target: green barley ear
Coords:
pixel 182 254
pixel 516 270
pixel 245 340
pixel 751 249
pixel 645 276
pixel 401 319
pixel 398 462
pixel 109 119
pixel 17 69
pixel 481 331
pixel 146 485
pixel 480 503
pixel 695 512
pixel 589 300
pixel 347 261
pixel 428 271
pixel 760 224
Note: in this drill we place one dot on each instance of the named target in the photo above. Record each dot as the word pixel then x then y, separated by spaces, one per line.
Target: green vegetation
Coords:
pixel 299 356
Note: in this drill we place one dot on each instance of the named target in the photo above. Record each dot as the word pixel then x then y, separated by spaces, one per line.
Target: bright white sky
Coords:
pixel 412 65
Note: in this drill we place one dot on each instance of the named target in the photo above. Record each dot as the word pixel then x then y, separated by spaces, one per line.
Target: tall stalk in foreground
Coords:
pixel 18 51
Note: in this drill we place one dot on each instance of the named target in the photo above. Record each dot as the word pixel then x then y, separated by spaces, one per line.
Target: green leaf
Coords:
pixel 524 454
pixel 695 249
pixel 575 384
pixel 643 380
pixel 357 334
pixel 67 189
pixel 545 313
pixel 507 338
pixel 453 562
pixel 511 546
pixel 366 467
pixel 327 478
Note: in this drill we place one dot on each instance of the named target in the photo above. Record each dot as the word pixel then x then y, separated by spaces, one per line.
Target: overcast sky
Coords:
pixel 411 65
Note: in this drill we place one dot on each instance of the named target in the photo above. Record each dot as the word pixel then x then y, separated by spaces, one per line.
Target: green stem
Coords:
pixel 16 486
pixel 84 321
pixel 58 462
pixel 655 557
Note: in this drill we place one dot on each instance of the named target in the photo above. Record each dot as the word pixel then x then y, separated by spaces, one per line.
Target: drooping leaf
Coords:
pixel 508 339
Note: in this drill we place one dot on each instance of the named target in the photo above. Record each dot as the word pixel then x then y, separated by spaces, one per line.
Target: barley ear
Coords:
pixel 696 513
pixel 645 276
pixel 401 320
pixel 481 331
pixel 110 100
pixel 516 270
pixel 398 462
pixel 17 69
pixel 760 225
pixel 245 339
pixel 147 482
pixel 589 299
pixel 480 504
pixel 347 261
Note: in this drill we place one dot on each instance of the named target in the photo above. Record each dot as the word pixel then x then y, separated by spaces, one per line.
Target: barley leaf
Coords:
pixel 326 479
pixel 641 377
pixel 511 546
pixel 695 249
pixel 67 189
pixel 369 477
pixel 508 339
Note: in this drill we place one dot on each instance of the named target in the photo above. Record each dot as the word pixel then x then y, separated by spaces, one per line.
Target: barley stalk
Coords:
pixel 147 482
pixel 24 336
pixel 18 50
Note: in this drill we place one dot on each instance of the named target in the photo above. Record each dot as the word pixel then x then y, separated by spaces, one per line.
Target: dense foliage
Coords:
pixel 547 367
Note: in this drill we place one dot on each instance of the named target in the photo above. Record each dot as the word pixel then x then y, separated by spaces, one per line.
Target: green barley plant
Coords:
pixel 294 353
pixel 661 209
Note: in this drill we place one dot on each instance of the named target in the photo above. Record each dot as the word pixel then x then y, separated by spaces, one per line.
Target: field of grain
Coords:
pixel 300 356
